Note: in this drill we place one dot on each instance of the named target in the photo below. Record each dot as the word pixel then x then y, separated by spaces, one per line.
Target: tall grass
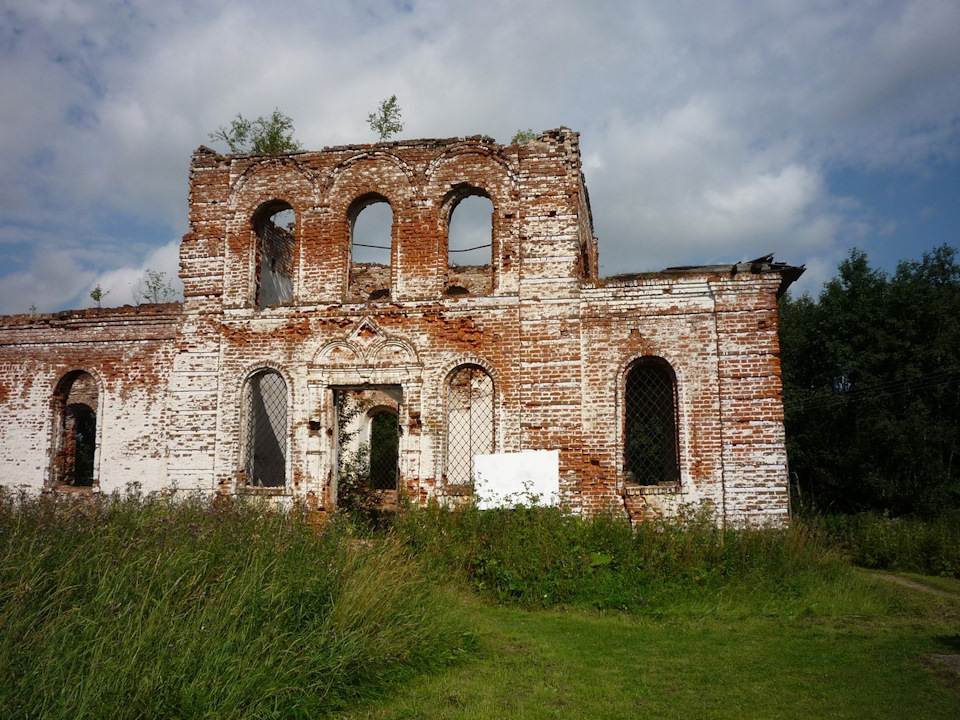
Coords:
pixel 142 607
pixel 928 547
pixel 145 607
pixel 543 557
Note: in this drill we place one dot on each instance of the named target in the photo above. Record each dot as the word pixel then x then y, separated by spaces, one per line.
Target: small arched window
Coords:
pixel 469 242
pixel 470 395
pixel 371 243
pixel 650 445
pixel 274 225
pixel 265 430
pixel 76 400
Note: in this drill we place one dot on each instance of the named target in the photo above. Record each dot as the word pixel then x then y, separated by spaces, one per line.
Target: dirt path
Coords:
pixel 915 585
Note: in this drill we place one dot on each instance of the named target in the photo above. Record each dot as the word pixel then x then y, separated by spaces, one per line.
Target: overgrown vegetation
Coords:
pixel 523 136
pixel 272 134
pixel 153 287
pixel 144 607
pixel 547 557
pixel 871 376
pixel 904 544
pixel 385 121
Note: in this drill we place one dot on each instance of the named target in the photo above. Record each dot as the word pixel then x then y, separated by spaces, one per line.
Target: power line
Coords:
pixel 891 387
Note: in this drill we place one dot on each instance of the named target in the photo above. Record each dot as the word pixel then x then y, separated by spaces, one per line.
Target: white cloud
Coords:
pixel 127 285
pixel 685 188
pixel 48 284
pixel 708 129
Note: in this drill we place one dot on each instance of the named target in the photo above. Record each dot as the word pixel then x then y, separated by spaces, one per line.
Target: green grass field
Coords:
pixel 143 607
pixel 549 664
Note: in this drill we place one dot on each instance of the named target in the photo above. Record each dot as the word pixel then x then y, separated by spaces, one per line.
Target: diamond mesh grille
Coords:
pixel 650 427
pixel 266 430
pixel 384 451
pixel 469 422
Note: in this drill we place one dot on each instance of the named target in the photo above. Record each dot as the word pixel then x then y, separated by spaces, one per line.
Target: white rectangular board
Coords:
pixel 505 480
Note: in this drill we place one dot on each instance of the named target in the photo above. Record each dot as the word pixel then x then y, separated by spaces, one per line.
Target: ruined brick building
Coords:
pixel 656 389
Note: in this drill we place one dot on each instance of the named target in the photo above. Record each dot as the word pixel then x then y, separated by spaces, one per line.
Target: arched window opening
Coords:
pixel 650 446
pixel 274 224
pixel 384 450
pixel 371 242
pixel 265 432
pixel 75 405
pixel 470 397
pixel 470 243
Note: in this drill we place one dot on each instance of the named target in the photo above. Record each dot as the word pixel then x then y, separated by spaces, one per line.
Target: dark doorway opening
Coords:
pixel 367 444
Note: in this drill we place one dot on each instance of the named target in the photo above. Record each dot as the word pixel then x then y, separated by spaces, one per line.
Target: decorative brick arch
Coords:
pixel 451 365
pixel 339 352
pixel 367 345
pixel 274 182
pixel 479 152
pixel 353 185
pixel 461 173
pixel 264 168
pixel 373 159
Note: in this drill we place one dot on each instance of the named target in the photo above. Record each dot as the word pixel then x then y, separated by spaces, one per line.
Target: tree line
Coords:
pixel 871 388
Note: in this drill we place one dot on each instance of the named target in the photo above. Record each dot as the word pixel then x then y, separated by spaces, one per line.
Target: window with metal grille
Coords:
pixel 650 424
pixel 265 442
pixel 469 421
pixel 384 451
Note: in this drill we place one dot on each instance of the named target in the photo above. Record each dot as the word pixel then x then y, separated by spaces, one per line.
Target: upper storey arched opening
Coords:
pixel 371 225
pixel 274 229
pixel 477 220
pixel 469 216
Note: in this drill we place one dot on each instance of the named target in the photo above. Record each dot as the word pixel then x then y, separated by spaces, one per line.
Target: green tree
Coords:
pixel 871 375
pixel 523 136
pixel 154 287
pixel 97 294
pixel 386 120
pixel 263 136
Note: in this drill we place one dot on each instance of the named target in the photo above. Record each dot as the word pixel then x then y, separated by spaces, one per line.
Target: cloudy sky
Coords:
pixel 711 131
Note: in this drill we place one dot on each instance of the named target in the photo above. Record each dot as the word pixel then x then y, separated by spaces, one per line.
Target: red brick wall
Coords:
pixel 556 340
pixel 128 352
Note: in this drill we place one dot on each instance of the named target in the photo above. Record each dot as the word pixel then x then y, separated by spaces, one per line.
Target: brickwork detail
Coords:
pixel 271 291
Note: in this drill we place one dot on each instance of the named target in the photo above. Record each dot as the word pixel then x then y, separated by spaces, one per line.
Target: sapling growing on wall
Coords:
pixel 97 294
pixel 386 120
pixel 523 136
pixel 263 136
pixel 153 287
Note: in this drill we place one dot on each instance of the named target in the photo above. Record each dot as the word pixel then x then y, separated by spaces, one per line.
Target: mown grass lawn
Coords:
pixel 552 664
